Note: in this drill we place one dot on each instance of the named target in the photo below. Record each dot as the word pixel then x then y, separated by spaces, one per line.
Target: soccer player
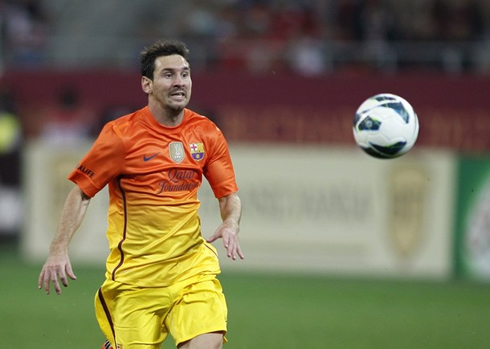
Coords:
pixel 161 274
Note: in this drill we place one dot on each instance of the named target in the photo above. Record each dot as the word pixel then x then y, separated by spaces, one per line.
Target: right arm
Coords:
pixel 58 264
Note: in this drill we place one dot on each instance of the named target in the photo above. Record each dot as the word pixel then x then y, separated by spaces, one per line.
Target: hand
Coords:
pixel 228 231
pixel 56 267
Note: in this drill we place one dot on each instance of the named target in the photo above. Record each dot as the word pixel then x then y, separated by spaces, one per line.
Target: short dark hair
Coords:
pixel 158 49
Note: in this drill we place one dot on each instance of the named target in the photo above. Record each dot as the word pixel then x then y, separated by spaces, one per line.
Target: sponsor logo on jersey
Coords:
pixel 87 171
pixel 197 151
pixel 180 180
pixel 177 152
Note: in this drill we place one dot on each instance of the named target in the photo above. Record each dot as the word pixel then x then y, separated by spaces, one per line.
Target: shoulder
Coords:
pixel 196 120
pixel 127 124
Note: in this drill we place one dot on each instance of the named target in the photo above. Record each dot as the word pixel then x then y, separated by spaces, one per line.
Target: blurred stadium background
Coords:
pixel 342 250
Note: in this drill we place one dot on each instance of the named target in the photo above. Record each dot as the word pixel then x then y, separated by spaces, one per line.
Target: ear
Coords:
pixel 146 84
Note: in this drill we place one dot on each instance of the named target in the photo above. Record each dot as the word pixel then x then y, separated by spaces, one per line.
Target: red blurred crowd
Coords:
pixel 266 34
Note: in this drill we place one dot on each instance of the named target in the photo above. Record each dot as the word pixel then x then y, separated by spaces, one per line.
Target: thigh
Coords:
pixel 200 309
pixel 132 317
pixel 207 340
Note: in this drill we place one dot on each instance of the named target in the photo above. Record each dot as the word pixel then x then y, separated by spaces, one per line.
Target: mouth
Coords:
pixel 180 95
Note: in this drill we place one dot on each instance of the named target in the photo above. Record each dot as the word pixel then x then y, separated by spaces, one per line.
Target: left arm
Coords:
pixel 230 208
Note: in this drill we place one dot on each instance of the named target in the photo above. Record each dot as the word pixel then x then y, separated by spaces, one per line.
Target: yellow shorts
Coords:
pixel 135 317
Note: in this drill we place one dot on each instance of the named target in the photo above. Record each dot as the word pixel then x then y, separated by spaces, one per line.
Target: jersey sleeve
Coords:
pixel 219 169
pixel 103 162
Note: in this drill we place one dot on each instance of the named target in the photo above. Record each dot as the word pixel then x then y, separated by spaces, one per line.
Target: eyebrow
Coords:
pixel 173 69
pixel 185 67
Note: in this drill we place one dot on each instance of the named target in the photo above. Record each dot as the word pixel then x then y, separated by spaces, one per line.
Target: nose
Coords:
pixel 179 80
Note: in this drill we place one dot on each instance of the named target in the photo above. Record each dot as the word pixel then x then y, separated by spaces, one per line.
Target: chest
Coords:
pixel 171 155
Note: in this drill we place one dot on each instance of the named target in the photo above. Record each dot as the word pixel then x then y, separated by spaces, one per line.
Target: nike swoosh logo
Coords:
pixel 148 158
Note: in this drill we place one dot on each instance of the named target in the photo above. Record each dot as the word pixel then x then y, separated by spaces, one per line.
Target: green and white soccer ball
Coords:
pixel 385 126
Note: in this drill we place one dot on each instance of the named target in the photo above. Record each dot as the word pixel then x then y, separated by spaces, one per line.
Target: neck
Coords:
pixel 167 117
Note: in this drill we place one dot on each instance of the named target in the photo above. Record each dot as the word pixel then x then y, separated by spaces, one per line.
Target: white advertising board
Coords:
pixel 305 209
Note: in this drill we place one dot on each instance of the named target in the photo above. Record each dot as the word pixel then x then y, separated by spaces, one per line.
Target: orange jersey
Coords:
pixel 154 173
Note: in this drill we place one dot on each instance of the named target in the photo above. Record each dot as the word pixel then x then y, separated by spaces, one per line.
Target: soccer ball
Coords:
pixel 385 126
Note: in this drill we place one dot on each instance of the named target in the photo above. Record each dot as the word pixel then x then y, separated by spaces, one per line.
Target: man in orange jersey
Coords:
pixel 160 274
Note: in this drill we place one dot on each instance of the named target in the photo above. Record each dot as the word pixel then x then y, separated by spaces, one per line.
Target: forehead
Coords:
pixel 174 62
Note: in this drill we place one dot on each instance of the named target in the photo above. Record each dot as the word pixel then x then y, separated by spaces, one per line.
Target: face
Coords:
pixel 171 85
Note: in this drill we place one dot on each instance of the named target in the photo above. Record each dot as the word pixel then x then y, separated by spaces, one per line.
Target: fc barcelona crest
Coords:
pixel 177 151
pixel 197 151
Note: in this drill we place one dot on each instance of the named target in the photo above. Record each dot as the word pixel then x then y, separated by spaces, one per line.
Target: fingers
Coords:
pixel 232 246
pixel 230 241
pixel 44 279
pixel 41 280
pixel 233 249
pixel 70 273
pixel 55 274
pixel 239 252
pixel 56 283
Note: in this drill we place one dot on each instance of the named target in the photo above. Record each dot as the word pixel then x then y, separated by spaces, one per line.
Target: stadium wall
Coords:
pixel 306 209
